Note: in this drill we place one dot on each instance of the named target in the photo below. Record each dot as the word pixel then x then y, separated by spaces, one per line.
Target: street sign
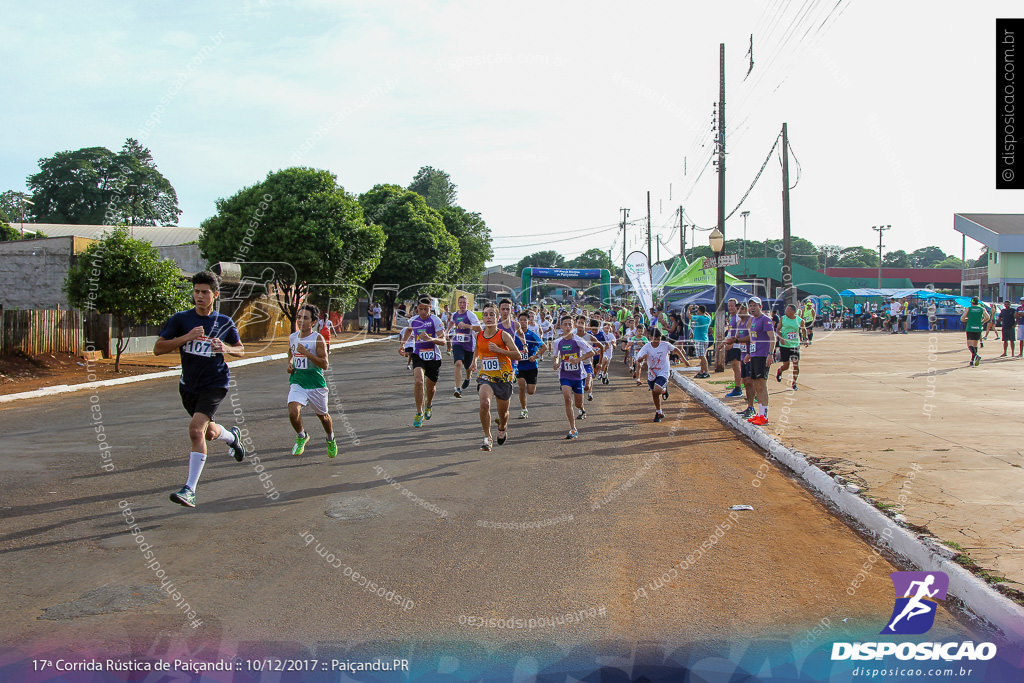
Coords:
pixel 721 261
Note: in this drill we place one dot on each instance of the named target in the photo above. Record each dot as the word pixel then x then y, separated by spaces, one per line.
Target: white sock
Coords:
pixel 763 410
pixel 302 434
pixel 225 436
pixel 195 468
pixel 330 437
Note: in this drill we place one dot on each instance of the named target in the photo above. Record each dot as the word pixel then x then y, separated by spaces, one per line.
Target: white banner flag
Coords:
pixel 639 272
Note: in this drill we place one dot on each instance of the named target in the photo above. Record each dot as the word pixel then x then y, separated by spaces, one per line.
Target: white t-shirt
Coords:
pixel 895 308
pixel 610 339
pixel 658 362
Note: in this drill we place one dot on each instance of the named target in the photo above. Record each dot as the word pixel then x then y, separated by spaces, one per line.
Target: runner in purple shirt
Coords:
pixel 462 329
pixel 570 354
pixel 427 331
pixel 760 354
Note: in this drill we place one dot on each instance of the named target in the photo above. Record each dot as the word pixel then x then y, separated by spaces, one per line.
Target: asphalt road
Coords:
pixel 614 523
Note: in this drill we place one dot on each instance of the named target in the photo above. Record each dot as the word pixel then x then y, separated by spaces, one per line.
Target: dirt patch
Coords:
pixel 21 372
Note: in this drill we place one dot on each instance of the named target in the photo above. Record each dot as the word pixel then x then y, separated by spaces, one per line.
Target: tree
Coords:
pixel 948 262
pixel 474 241
pixel 540 259
pixel 830 254
pixel 94 186
pixel 302 217
pixel 591 258
pixel 10 206
pixel 126 279
pixel 7 233
pixel 858 257
pixel 926 257
pixel 435 186
pixel 897 259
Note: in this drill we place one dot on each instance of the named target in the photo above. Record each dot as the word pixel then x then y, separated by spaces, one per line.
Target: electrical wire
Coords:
pixel 566 239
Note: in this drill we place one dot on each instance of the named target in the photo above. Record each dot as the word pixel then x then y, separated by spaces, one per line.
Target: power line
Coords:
pixel 545 234
pixel 567 239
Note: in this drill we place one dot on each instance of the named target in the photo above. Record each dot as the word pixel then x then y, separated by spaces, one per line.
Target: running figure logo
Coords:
pixel 916 595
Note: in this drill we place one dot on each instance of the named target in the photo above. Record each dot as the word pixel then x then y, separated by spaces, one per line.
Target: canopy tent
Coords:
pixel 693 275
pixel 703 295
pixel 889 293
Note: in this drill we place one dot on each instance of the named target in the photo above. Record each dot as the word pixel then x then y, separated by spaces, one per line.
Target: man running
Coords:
pixel 808 315
pixel 659 366
pixel 463 328
pixel 202 336
pixel 790 333
pixel 307 361
pixel 426 331
pixel 495 351
pixel 591 340
pixel 975 316
pixel 597 332
pixel 526 372
pixel 759 355
pixel 570 353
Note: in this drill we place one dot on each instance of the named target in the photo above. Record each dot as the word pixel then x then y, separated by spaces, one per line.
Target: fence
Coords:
pixel 41 331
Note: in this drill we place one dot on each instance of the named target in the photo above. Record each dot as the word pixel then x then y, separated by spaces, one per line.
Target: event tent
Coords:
pixel 682 274
pixel 704 295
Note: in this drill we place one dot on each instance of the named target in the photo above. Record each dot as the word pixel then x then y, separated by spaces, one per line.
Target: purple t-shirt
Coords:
pixel 570 350
pixel 464 338
pixel 760 344
pixel 430 327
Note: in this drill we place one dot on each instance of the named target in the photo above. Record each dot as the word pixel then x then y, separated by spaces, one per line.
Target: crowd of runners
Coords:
pixel 506 347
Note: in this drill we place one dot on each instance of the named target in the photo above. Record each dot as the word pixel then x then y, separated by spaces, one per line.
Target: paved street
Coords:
pixel 615 526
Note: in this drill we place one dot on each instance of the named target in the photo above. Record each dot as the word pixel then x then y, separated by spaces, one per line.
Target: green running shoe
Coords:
pixel 332 449
pixel 426 413
pixel 185 496
pixel 300 445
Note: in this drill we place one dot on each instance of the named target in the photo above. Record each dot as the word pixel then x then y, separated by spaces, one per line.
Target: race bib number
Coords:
pixel 742 348
pixel 490 364
pixel 203 346
pixel 300 362
pixel 571 363
pixel 428 355
pixel 792 336
pixel 461 338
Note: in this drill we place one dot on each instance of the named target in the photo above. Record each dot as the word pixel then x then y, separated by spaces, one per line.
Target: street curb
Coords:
pixel 921 551
pixel 69 388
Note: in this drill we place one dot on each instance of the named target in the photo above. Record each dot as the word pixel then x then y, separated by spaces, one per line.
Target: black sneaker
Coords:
pixel 582 415
pixel 465 383
pixel 238 451
pixel 658 417
pixel 185 497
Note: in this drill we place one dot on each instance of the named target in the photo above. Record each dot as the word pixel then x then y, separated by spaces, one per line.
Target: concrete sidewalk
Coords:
pixel 923 434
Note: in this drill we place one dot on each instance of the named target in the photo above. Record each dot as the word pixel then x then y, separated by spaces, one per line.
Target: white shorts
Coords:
pixel 315 398
pixel 1020 332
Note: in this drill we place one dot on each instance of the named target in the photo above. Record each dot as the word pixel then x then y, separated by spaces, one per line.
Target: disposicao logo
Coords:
pixel 916 596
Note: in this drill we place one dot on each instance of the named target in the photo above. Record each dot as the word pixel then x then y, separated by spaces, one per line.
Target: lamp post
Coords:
pixel 24 201
pixel 717 241
pixel 744 214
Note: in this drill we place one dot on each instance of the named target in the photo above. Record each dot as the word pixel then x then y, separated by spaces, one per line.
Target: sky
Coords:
pixel 549 117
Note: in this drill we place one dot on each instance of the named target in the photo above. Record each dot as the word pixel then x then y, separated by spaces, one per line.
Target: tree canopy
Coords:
pixel 127 279
pixel 541 259
pixel 94 186
pixel 474 241
pixel 301 217
pixel 435 186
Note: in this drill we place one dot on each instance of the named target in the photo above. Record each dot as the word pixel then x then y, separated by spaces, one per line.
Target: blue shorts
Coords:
pixel 657 381
pixel 589 368
pixel 461 355
pixel 575 384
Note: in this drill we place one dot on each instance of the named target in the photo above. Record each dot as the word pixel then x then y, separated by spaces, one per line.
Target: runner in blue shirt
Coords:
pixel 202 337
pixel 526 372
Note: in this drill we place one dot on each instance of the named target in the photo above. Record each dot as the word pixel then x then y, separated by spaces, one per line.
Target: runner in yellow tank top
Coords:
pixel 495 349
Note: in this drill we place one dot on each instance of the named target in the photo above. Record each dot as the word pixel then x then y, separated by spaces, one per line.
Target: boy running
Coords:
pixel 659 364
pixel 495 349
pixel 526 373
pixel 975 316
pixel 582 333
pixel 307 360
pixel 464 326
pixel 426 331
pixel 202 336
pixel 570 352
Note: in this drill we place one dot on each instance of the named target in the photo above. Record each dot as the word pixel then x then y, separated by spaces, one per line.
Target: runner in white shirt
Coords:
pixel 659 364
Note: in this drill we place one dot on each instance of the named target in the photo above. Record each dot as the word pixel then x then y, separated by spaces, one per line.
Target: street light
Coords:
pixel 23 203
pixel 717 241
pixel 744 214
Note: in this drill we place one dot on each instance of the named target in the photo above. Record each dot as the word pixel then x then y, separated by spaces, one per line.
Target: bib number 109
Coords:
pixel 490 364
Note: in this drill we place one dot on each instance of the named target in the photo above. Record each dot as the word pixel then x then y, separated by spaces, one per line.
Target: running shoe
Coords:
pixel 759 420
pixel 417 420
pixel 573 434
pixel 590 397
pixel 458 393
pixel 300 444
pixel 747 413
pixel 795 387
pixel 665 395
pixel 427 412
pixel 502 439
pixel 604 379
pixel 582 415
pixel 523 414
pixel 977 361
pixel 486 445
pixel 735 393
pixel 185 496
pixel 658 417
pixel 465 383
pixel 332 448
pixel 238 451
pixel 778 375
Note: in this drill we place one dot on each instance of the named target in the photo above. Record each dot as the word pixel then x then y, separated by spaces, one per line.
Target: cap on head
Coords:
pixel 754 300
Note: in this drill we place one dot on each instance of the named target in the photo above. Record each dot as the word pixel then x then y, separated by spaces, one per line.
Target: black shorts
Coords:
pixel 530 376
pixel 431 368
pixel 205 402
pixel 744 370
pixel 733 354
pixel 787 353
pixel 973 336
pixel 758 367
pixel 461 355
pixel 502 390
pixel 1009 334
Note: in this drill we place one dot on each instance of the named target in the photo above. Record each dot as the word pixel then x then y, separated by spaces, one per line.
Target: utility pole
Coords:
pixel 963 258
pixel 682 236
pixel 625 215
pixel 648 228
pixel 720 271
pixel 745 214
pixel 880 229
pixel 787 242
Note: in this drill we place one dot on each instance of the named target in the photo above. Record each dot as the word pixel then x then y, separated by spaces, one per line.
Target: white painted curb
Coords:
pixel 68 388
pixel 978 596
